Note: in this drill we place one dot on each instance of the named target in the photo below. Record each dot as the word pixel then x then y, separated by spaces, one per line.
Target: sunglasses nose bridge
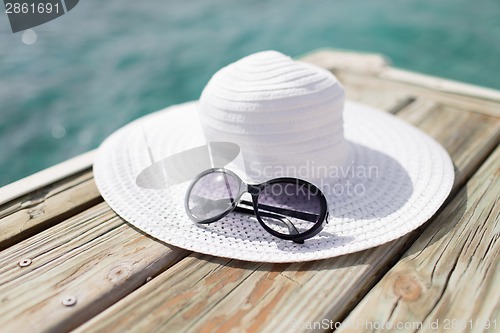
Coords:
pixel 254 190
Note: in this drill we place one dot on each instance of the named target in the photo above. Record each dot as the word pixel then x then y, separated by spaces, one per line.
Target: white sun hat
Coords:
pixel 381 176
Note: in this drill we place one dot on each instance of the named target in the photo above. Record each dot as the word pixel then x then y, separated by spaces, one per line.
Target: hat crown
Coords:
pixel 284 115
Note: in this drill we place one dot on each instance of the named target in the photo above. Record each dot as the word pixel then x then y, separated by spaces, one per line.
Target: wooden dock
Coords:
pixel 68 262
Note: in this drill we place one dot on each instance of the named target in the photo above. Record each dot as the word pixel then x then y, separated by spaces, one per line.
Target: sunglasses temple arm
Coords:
pixel 291 228
pixel 244 210
pixel 288 212
pixel 249 211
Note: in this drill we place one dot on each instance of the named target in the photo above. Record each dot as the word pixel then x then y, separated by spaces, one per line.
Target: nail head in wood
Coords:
pixel 69 301
pixel 25 262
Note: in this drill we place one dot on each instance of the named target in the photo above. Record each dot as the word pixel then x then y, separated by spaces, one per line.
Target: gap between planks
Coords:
pixel 94 256
pixel 375 84
pixel 39 210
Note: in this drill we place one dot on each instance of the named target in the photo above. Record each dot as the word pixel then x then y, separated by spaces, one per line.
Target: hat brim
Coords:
pixel 411 176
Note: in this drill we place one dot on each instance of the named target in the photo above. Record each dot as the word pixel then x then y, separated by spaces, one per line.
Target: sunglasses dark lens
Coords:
pixel 289 208
pixel 212 195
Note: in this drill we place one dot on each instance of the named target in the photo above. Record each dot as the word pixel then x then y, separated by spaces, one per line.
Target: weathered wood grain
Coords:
pixel 486 107
pixel 370 65
pixel 278 297
pixel 449 280
pixel 371 72
pixel 200 281
pixel 47 177
pixel 28 215
pixel 472 134
pixel 391 101
pixel 95 256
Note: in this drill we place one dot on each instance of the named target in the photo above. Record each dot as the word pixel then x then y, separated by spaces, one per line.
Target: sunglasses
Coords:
pixel 288 208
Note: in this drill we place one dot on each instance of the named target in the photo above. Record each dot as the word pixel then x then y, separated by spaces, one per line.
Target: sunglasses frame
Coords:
pixel 255 190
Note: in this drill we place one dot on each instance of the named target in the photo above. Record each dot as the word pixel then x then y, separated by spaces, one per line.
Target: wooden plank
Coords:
pixel 369 64
pixel 376 64
pixel 269 298
pixel 28 215
pixel 373 72
pixel 94 256
pixel 449 280
pixel 440 85
pixel 46 177
pixel 390 101
pixel 473 134
pixel 277 297
pixel 199 282
pixel 486 106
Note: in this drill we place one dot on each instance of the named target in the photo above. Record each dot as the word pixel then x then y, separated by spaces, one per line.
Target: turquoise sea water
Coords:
pixel 106 63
